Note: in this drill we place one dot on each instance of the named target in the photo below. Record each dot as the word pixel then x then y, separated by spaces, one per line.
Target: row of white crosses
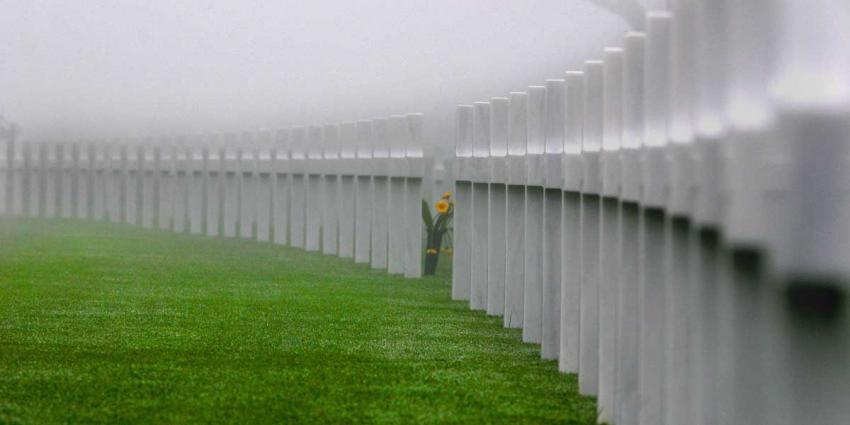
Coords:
pixel 672 222
pixel 352 190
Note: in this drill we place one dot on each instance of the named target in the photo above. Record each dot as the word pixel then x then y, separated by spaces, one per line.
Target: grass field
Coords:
pixel 110 324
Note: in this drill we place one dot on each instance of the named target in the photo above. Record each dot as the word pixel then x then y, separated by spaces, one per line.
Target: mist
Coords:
pixel 102 69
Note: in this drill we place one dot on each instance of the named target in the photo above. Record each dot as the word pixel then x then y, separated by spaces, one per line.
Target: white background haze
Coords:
pixel 108 68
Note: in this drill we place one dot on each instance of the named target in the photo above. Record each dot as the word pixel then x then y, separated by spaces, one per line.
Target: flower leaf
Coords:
pixel 426 217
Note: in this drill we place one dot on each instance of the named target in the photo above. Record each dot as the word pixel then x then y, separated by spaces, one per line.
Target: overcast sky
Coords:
pixel 80 68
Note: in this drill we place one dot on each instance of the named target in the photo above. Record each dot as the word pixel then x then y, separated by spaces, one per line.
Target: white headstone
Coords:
pixel 298 194
pixel 213 148
pixel 497 207
pixel 180 194
pixel 680 203
pixel 380 222
pixel 330 209
pixel 414 148
pixel 283 178
pixel 552 259
pixel 571 225
pixel 124 186
pixel 480 203
pixel 314 189
pixel 195 182
pixel 363 194
pixel 533 293
pixel 76 180
pixel 43 167
pixel 395 260
pixel 248 186
pixel 90 175
pixel 609 254
pixel 264 186
pixel 652 236
pixel 348 203
pixel 11 164
pixel 462 234
pixel 627 396
pixel 590 218
pixel 230 207
pixel 140 183
pixel 515 212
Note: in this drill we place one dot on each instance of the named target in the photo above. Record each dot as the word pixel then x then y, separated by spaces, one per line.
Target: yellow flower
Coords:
pixel 447 250
pixel 442 206
pixel 431 251
pixel 447 195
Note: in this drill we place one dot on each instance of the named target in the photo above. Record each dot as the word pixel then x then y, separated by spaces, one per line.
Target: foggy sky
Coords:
pixel 94 68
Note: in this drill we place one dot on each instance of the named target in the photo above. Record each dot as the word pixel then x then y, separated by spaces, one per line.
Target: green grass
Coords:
pixel 110 324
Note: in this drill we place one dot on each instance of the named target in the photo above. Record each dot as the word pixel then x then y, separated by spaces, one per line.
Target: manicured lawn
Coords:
pixel 111 324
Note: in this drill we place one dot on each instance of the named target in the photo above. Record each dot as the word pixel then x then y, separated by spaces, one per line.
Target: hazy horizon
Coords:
pixel 129 68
